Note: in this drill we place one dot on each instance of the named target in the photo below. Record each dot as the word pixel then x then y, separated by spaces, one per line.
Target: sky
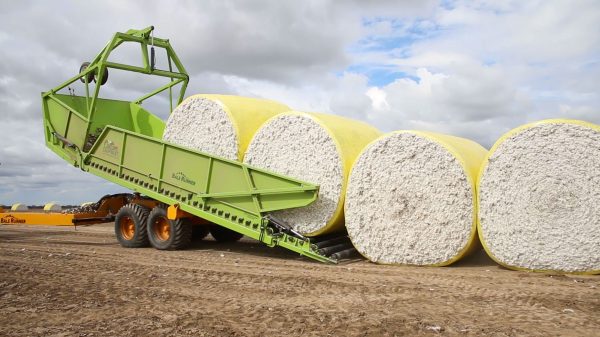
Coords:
pixel 474 69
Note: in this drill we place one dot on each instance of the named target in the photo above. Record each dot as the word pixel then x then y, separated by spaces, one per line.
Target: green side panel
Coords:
pixel 185 171
pixel 273 202
pixel 121 114
pixel 267 180
pixel 190 176
pixel 241 202
pixel 142 156
pixel 111 112
pixel 107 111
pixel 146 123
pixel 67 122
pixel 58 116
pixel 263 180
pixel 75 103
pixel 76 131
pixel 110 146
pixel 228 177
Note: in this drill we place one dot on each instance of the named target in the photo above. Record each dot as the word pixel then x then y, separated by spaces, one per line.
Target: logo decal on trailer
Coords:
pixel 183 178
pixel 109 148
pixel 11 219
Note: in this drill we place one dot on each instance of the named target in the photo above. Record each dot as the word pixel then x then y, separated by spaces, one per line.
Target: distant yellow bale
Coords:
pixel 19 207
pixel 52 207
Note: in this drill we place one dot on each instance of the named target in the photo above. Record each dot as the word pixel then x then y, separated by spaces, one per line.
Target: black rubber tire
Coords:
pixel 199 232
pixel 104 78
pixel 223 234
pixel 139 215
pixel 90 76
pixel 180 231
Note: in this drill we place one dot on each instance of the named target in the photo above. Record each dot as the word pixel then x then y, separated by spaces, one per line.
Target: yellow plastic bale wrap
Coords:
pixel 315 147
pixel 222 125
pixel 539 196
pixel 412 198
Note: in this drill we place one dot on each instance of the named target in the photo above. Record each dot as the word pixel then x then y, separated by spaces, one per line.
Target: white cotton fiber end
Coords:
pixel 318 149
pixel 221 125
pixel 540 198
pixel 298 146
pixel 203 124
pixel 411 198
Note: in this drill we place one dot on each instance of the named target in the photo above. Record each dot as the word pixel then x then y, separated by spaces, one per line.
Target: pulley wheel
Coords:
pixel 90 76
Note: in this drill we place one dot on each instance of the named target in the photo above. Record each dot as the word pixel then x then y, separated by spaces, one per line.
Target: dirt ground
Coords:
pixel 64 282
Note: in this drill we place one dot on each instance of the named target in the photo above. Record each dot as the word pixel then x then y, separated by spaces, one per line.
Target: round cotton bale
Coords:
pixel 539 195
pixel 52 207
pixel 221 125
pixel 316 148
pixel 412 200
pixel 19 207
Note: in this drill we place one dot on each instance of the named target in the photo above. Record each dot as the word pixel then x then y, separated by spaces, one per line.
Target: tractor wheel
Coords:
pixel 199 232
pixel 223 234
pixel 165 234
pixel 130 226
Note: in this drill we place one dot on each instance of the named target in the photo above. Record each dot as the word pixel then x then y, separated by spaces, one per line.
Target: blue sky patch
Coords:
pixel 378 76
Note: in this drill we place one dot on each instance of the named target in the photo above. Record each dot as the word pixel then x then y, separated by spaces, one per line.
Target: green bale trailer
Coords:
pixel 175 188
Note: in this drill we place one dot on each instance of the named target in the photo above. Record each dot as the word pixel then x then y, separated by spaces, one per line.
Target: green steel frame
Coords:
pixel 145 38
pixel 122 143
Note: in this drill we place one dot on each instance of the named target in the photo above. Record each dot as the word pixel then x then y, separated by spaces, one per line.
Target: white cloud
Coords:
pixel 486 67
pixel 378 99
pixel 470 68
pixel 461 103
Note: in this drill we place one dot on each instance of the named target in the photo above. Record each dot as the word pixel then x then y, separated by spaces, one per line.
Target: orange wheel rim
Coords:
pixel 162 229
pixel 127 226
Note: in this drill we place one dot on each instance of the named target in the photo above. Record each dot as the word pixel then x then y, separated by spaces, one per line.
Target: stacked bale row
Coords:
pixel 412 197
pixel 314 147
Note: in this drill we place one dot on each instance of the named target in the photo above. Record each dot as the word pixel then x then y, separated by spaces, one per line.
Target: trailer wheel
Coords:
pixel 199 232
pixel 223 234
pixel 130 226
pixel 165 234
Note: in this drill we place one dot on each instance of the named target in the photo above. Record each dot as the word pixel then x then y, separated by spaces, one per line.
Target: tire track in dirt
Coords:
pixel 61 282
